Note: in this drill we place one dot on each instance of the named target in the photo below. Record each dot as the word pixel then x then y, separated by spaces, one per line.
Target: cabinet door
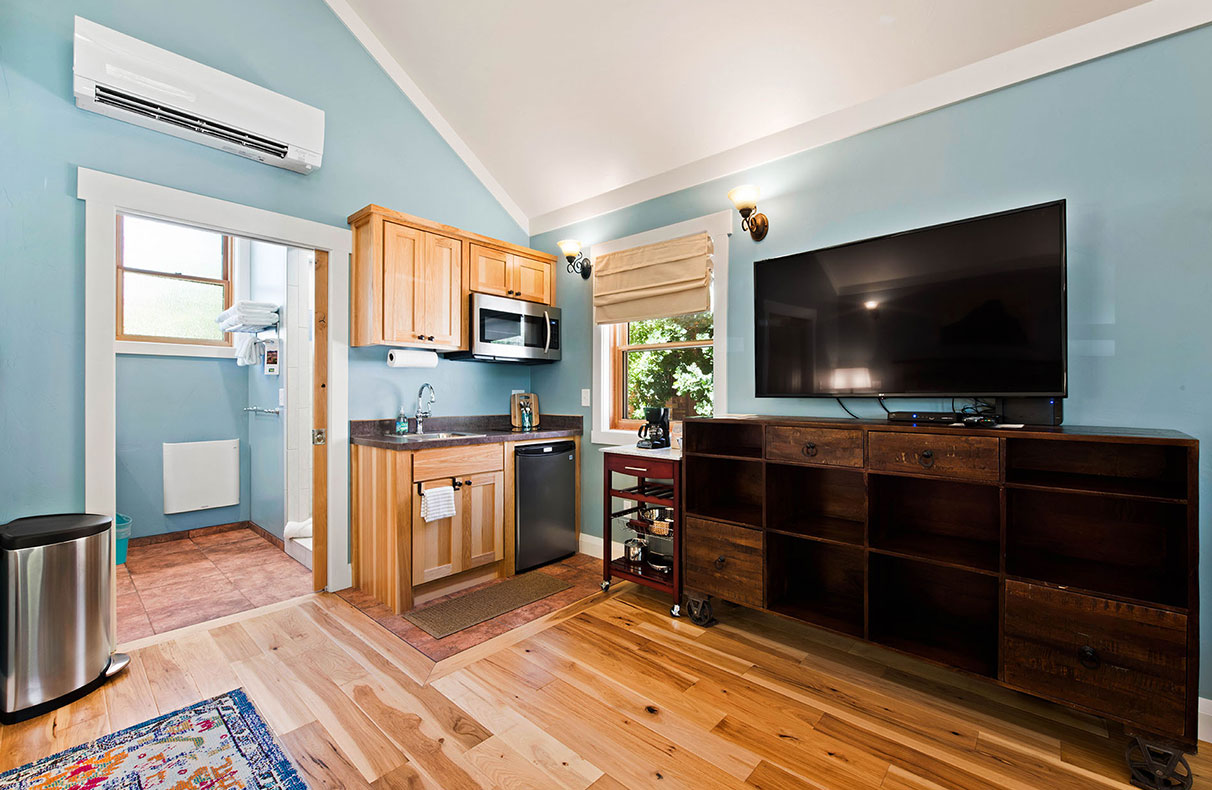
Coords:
pixel 531 279
pixel 436 545
pixel 483 511
pixel 403 248
pixel 489 271
pixel 438 296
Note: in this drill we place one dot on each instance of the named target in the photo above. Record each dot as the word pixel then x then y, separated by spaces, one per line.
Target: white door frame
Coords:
pixel 105 195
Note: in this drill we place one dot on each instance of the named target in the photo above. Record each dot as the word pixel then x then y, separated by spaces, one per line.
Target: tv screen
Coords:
pixel 975 307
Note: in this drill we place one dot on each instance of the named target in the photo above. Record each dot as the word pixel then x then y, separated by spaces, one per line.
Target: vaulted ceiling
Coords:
pixel 557 103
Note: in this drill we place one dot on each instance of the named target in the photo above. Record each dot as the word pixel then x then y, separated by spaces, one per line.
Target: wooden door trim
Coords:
pixel 319 411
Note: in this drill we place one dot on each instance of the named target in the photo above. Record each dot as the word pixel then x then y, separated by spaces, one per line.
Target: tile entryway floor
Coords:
pixel 182 582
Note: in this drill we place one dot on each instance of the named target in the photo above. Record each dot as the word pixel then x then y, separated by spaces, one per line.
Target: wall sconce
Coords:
pixel 577 262
pixel 745 198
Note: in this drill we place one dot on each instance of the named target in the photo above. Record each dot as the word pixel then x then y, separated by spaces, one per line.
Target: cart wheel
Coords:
pixel 605 586
pixel 675 610
pixel 700 611
pixel 1154 767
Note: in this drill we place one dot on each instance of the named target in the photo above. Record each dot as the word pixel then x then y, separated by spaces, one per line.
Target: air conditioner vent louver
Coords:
pixel 166 114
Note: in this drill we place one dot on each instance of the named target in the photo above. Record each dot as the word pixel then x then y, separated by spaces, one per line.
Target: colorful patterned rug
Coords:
pixel 219 744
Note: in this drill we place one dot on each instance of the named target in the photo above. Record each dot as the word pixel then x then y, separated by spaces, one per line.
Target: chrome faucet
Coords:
pixel 423 409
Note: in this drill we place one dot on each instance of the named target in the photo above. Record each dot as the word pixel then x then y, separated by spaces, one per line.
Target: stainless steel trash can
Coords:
pixel 56 574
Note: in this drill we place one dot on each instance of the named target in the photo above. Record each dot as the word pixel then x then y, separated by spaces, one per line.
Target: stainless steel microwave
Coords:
pixel 511 330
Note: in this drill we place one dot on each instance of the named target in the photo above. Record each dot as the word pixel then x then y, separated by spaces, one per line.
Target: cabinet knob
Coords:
pixel 1088 657
pixel 430 338
pixel 420 337
pixel 510 293
pixel 810 450
pixel 457 484
pixel 466 482
pixel 926 458
pixel 719 562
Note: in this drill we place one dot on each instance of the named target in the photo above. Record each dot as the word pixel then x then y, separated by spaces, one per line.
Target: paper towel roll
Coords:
pixel 411 358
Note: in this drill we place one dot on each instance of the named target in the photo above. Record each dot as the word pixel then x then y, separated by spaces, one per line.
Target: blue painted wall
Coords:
pixel 378 148
pixel 175 399
pixel 1126 139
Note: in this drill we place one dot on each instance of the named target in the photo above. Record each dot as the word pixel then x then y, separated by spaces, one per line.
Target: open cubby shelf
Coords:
pixel 957 523
pixel 732 489
pixel 1129 548
pixel 736 439
pixel 1155 471
pixel 817 582
pixel 817 502
pixel 943 614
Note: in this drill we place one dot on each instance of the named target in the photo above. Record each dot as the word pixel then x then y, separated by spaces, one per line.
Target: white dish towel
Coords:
pixel 438 503
pixel 248 351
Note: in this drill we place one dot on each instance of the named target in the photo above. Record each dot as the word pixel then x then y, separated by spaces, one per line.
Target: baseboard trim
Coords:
pixel 168 537
pixel 592 545
pixel 1203 720
pixel 267 535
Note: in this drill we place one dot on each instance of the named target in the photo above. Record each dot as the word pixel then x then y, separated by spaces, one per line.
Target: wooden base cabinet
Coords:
pixel 1061 562
pixel 474 536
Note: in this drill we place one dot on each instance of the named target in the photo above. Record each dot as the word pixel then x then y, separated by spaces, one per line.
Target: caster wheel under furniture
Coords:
pixel 605 586
pixel 675 610
pixel 1155 767
pixel 700 611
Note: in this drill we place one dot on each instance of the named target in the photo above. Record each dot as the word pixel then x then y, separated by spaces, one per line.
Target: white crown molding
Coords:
pixel 1120 31
pixel 389 64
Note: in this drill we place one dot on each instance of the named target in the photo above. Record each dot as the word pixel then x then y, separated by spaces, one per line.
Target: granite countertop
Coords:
pixel 665 453
pixel 488 429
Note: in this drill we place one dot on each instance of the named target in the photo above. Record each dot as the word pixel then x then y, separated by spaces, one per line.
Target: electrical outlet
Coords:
pixel 585 398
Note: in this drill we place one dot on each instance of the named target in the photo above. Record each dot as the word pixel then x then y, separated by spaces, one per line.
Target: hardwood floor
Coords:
pixel 610 693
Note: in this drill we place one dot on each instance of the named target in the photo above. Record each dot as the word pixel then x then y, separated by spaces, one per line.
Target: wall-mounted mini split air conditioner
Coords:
pixel 133 81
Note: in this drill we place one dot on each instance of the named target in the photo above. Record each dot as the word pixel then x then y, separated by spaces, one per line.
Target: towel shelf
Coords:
pixel 259 410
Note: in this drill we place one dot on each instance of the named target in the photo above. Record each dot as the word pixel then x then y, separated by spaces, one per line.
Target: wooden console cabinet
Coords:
pixel 1061 562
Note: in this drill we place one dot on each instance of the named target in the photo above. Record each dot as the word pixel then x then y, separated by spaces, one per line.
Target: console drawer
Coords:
pixel 969 457
pixel 639 466
pixel 723 560
pixel 1123 660
pixel 833 446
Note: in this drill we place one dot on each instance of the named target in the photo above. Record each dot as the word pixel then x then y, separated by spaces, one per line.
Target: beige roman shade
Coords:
pixel 654 281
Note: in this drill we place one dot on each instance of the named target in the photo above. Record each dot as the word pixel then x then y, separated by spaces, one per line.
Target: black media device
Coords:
pixel 945 417
pixel 1032 411
pixel 974 308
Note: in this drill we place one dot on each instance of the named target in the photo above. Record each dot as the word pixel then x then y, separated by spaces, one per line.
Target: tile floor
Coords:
pixel 583 572
pixel 170 585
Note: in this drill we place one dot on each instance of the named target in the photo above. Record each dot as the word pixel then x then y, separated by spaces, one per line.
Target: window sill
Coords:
pixel 613 437
pixel 173 349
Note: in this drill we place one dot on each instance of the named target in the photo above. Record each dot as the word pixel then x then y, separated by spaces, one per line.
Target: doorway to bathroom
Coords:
pixel 214 370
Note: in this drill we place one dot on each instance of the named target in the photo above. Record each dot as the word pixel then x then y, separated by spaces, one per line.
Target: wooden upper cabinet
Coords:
pixel 531 279
pixel 438 297
pixel 412 276
pixel 403 248
pixel 489 271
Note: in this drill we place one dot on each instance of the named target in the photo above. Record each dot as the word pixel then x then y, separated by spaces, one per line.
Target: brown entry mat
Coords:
pixel 449 617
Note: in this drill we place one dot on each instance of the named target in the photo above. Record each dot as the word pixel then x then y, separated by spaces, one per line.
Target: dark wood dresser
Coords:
pixel 1061 562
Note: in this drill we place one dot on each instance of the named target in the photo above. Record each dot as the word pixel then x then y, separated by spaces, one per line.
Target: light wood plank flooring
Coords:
pixel 611 693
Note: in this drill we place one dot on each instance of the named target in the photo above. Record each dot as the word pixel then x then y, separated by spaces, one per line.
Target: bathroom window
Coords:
pixel 663 361
pixel 173 280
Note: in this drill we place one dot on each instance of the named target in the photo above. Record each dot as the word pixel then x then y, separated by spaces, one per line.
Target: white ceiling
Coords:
pixel 561 101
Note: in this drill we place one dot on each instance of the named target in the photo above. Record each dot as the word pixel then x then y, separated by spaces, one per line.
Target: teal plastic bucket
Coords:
pixel 122 535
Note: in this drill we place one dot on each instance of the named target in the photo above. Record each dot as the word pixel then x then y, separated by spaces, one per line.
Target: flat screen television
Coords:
pixel 968 308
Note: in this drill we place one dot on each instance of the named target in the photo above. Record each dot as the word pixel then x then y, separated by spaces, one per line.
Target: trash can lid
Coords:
pixel 31 531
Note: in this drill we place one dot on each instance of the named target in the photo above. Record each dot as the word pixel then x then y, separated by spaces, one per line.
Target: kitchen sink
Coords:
pixel 425 437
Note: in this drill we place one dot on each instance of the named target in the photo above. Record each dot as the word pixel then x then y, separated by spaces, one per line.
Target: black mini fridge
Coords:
pixel 546 494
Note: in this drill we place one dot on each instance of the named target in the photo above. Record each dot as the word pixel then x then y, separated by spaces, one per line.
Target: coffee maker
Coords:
pixel 654 433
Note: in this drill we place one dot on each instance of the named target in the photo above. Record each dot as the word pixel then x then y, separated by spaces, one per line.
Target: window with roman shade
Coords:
pixel 659 280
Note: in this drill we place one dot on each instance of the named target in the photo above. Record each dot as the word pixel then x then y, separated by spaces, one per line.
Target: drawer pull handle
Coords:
pixel 1088 657
pixel 719 562
pixel 926 458
pixel 635 469
pixel 810 450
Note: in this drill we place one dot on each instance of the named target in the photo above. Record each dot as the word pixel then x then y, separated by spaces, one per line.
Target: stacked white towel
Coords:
pixel 246 316
pixel 438 503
